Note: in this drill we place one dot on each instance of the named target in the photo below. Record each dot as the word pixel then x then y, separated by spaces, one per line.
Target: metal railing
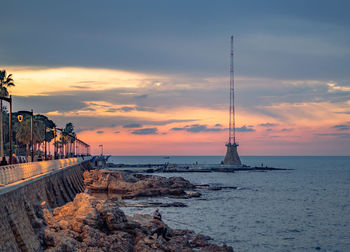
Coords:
pixel 13 173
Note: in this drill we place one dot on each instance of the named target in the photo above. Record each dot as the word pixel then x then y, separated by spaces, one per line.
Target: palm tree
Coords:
pixel 5 83
pixel 23 133
pixel 68 133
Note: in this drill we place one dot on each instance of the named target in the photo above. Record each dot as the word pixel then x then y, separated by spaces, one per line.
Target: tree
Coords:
pixel 48 131
pixel 23 133
pixel 5 83
pixel 68 135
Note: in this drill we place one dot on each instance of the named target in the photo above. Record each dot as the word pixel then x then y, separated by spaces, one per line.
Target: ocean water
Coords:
pixel 304 209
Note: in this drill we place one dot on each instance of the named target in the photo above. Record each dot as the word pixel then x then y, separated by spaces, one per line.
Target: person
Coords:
pixel 3 161
pixel 161 230
pixel 14 159
pixel 157 215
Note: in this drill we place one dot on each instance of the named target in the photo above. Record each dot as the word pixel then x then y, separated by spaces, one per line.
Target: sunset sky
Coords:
pixel 152 77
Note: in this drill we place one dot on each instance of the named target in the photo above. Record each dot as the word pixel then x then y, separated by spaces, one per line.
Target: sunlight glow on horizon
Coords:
pixel 306 123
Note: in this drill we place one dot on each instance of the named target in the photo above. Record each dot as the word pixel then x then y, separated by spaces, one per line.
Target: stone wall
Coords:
pixel 17 205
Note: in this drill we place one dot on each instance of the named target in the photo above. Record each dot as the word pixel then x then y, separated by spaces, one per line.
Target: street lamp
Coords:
pixel 31 128
pixel 9 100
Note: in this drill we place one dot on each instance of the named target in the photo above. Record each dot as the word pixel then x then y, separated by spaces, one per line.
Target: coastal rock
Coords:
pixel 128 186
pixel 154 204
pixel 92 224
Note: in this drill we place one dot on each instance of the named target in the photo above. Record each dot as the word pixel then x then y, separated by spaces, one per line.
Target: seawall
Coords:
pixel 18 201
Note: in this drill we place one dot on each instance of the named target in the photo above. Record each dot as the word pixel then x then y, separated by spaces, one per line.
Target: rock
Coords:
pixel 154 204
pixel 129 186
pixel 193 194
pixel 93 224
pixel 215 188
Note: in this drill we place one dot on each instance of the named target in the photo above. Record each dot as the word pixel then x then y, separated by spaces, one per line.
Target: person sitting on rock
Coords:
pixel 157 215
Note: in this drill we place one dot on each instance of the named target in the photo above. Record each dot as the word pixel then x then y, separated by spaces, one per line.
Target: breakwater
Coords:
pixel 18 201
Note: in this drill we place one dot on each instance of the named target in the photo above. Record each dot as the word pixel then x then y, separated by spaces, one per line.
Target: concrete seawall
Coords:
pixel 17 205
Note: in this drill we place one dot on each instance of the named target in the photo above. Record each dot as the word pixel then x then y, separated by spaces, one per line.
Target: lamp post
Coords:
pixel 9 100
pixel 54 144
pixel 47 130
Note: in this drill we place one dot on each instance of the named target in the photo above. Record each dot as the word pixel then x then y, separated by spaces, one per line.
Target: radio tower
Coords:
pixel 232 157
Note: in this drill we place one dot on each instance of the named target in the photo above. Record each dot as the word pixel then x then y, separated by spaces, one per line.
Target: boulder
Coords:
pixel 127 186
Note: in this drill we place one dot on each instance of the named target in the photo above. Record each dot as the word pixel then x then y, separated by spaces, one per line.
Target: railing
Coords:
pixel 13 173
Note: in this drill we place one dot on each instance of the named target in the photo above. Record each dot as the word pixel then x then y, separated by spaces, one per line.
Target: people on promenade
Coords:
pixel 3 161
pixel 13 159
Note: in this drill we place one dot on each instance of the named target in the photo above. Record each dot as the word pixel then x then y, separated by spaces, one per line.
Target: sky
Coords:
pixel 152 77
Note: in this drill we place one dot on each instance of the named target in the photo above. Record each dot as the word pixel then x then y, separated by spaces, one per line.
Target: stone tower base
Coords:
pixel 232 157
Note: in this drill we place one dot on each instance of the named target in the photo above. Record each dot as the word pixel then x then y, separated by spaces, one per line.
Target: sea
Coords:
pixel 306 208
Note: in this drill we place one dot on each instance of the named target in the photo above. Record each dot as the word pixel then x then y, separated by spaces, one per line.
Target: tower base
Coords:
pixel 232 157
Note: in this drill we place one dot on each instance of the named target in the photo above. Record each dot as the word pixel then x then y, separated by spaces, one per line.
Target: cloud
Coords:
pixel 244 129
pixel 132 125
pixel 341 127
pixel 145 131
pixel 268 129
pixel 334 134
pixel 116 132
pixel 144 96
pixel 111 110
pixel 88 109
pixel 218 125
pixel 100 132
pixel 79 87
pixel 196 128
pixel 96 122
pixel 268 124
pixel 127 109
pixel 286 129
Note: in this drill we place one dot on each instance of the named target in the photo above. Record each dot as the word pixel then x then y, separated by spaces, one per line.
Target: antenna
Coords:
pixel 232 123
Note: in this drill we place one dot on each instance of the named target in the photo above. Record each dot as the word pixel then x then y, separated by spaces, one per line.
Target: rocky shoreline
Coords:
pixel 90 223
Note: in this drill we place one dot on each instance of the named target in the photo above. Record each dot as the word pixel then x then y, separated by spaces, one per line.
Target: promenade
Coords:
pixel 12 175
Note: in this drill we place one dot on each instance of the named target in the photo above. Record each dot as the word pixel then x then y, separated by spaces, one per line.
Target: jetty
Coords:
pixel 180 168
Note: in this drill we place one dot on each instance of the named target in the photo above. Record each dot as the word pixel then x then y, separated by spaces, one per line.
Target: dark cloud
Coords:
pixel 127 109
pixel 244 129
pixel 268 129
pixel 346 135
pixel 111 110
pixel 218 125
pixel 79 87
pixel 45 104
pixel 88 109
pixel 268 124
pixel 341 127
pixel 275 38
pixel 286 129
pixel 116 132
pixel 93 122
pixel 195 128
pixel 132 125
pixel 100 132
pixel 145 131
pixel 141 96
